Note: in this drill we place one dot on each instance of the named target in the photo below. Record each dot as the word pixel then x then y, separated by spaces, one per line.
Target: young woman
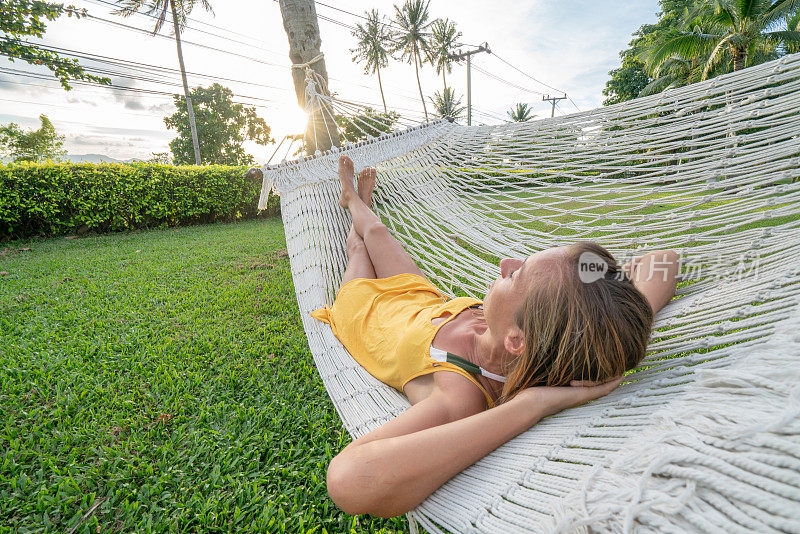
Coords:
pixel 545 339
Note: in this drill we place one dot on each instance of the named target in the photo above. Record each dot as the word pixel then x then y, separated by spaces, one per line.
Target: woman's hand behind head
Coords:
pixel 551 400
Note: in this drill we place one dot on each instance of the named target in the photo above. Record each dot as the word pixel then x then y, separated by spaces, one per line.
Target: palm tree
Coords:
pixel 446 104
pixel 179 9
pixel 443 41
pixel 726 35
pixel 521 113
pixel 373 39
pixel 412 39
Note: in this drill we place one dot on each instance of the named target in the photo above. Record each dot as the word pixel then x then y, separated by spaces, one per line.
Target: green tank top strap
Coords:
pixel 442 356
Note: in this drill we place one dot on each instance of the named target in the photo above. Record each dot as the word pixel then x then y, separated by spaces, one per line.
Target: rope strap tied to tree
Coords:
pixel 308 63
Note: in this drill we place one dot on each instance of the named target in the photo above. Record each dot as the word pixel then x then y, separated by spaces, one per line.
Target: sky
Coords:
pixel 569 45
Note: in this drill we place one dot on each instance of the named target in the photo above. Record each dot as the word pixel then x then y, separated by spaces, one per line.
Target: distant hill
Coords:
pixel 94 158
pixel 86 158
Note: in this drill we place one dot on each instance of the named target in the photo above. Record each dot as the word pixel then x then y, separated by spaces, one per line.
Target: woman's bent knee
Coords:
pixel 376 229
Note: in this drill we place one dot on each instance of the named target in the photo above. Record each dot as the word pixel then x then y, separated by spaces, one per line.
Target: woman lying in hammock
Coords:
pixel 544 340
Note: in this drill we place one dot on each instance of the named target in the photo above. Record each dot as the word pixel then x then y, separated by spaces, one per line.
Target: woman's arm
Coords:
pixel 388 477
pixel 656 275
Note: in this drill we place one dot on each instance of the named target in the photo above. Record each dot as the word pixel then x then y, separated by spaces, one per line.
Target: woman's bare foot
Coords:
pixel 366 184
pixel 346 176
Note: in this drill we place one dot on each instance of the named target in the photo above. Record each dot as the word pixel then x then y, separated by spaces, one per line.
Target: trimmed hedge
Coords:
pixel 52 199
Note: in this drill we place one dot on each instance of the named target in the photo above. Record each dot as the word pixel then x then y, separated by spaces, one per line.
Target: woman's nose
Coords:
pixel 507 265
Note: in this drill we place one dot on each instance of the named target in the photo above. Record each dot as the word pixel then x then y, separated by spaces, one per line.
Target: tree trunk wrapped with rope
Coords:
pixel 300 23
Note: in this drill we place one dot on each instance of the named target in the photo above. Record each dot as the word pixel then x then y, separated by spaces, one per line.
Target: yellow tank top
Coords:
pixel 385 324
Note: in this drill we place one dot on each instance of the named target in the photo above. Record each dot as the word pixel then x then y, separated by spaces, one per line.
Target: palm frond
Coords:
pixel 411 40
pixel 716 54
pixel 659 84
pixel 785 37
pixel 681 44
pixel 778 13
pixel 520 113
pixel 749 9
pixel 159 9
pixel 444 37
pixel 446 104
pixel 373 43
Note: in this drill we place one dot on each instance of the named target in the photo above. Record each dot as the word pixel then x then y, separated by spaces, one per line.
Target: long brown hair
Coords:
pixel 578 330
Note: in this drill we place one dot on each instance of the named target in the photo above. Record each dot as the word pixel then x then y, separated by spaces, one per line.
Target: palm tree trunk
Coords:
pixel 739 58
pixel 302 29
pixel 444 79
pixel 381 86
pixel 189 107
pixel 416 68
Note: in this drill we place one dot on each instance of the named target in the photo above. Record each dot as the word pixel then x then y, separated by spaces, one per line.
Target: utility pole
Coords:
pixel 458 57
pixel 553 100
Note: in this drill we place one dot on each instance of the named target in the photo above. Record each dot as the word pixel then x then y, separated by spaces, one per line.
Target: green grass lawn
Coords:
pixel 161 381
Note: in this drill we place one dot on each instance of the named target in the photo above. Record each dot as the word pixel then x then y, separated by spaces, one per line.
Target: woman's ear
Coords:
pixel 515 341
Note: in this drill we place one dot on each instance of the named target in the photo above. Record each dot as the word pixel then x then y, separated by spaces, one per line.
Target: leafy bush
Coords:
pixel 60 198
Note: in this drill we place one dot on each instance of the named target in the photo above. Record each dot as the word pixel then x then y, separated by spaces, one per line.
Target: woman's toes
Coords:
pixel 345 167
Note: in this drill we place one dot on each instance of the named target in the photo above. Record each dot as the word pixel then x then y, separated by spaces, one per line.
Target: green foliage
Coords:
pixel 28 18
pixel 365 124
pixel 521 113
pixel 36 145
pixel 628 81
pixel 698 39
pixel 165 376
pixel 446 105
pixel 725 36
pixel 793 25
pixel 62 198
pixel 222 127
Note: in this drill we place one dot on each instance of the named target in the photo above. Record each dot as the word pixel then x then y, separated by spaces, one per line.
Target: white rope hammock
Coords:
pixel 706 436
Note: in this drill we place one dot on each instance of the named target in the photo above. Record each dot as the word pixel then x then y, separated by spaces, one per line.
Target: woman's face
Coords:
pixel 507 293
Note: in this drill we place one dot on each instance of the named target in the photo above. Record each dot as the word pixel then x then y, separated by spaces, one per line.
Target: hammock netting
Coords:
pixel 705 435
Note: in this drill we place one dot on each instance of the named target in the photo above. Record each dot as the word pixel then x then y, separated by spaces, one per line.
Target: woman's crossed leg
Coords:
pixel 372 251
pixel 359 264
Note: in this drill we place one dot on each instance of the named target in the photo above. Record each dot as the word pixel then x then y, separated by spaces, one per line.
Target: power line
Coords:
pixel 325 18
pixel 502 80
pixel 390 23
pixel 537 81
pixel 207 47
pixel 122 88
pixel 62 105
pixel 149 33
pixel 196 21
pixel 153 17
pixel 147 66
pixel 139 77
